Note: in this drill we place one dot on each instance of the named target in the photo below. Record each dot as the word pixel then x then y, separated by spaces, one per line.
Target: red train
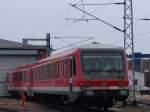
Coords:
pixel 94 74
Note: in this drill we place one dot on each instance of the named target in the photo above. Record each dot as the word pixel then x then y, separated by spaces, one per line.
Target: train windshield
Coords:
pixel 102 65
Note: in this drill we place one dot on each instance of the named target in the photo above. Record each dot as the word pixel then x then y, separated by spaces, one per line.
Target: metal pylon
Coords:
pixel 129 37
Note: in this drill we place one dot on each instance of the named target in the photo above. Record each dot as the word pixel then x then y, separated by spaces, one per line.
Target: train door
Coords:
pixel 29 82
pixel 72 72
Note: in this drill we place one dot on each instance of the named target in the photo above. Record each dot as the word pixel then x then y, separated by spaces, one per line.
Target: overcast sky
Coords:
pixel 33 18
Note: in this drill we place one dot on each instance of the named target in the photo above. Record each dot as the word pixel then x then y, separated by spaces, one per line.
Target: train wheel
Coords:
pixel 106 109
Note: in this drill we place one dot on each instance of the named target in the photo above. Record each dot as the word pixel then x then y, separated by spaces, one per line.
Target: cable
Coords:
pixel 101 6
pixel 64 27
pixel 65 41
pixel 51 20
pixel 115 3
pixel 90 12
pixel 73 44
pixel 141 34
pixel 73 5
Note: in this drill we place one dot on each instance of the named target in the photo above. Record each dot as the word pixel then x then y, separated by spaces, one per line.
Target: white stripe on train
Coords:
pixel 64 89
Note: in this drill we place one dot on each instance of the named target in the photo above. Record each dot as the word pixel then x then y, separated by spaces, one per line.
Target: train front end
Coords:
pixel 104 75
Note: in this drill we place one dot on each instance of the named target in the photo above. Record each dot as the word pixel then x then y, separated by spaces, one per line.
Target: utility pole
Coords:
pixel 48 43
pixel 47 40
pixel 128 30
pixel 129 37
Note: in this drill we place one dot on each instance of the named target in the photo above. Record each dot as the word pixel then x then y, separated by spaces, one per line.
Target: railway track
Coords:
pixel 74 108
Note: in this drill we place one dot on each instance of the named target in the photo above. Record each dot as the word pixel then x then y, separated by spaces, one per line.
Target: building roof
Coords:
pixel 7 44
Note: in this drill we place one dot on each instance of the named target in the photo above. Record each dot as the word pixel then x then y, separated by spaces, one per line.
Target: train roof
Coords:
pixel 93 45
pixel 96 45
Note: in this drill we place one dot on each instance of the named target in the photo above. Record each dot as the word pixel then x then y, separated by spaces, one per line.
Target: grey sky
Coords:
pixel 33 18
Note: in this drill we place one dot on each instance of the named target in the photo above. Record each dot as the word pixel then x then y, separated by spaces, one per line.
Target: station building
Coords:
pixel 13 54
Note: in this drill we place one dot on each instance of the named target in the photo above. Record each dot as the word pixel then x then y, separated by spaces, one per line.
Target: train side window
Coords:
pixel 53 70
pixel 42 70
pixel 60 70
pixel 20 76
pixel 49 71
pixel 57 71
pixel 45 71
pixel 33 73
pixel 42 74
pixel 39 76
pixel 36 74
pixel 65 68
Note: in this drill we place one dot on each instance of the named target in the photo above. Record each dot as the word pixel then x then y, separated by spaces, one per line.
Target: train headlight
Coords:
pixel 123 92
pixel 89 93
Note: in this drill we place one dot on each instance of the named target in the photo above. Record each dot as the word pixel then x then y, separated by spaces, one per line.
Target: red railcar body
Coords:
pixel 93 72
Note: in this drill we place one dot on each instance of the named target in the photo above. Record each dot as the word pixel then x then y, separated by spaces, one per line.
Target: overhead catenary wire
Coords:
pixel 70 24
pixel 65 41
pixel 142 34
pixel 51 20
pixel 63 27
pixel 114 3
pixel 73 44
pixel 88 19
pixel 73 5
